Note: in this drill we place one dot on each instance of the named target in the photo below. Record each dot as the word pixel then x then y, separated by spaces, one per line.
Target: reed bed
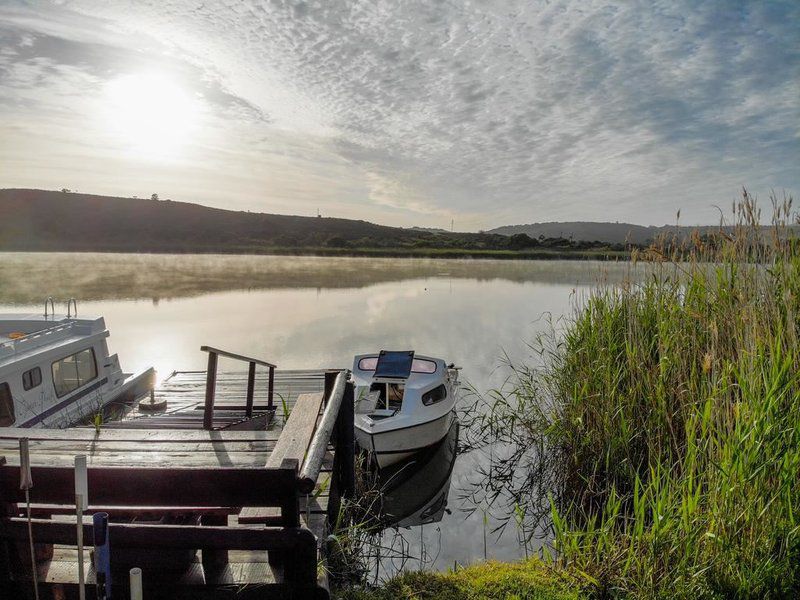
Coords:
pixel 658 439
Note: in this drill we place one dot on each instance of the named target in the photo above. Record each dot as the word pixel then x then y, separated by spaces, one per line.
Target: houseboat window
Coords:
pixel 6 406
pixel 32 378
pixel 435 395
pixel 74 371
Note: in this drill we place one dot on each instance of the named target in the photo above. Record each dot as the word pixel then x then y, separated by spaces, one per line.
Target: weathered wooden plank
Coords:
pixel 135 535
pixel 156 486
pixel 298 431
pixel 311 505
pixel 195 460
pixel 161 435
pixel 234 356
pixel 153 446
pixel 246 568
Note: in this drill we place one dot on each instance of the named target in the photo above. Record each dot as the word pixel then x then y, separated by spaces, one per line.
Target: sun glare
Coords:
pixel 150 115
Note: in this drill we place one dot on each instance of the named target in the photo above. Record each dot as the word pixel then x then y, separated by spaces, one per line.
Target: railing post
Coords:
pixel 271 389
pixel 343 475
pixel 251 384
pixel 211 384
pixel 330 380
pixel 290 511
pixel 346 441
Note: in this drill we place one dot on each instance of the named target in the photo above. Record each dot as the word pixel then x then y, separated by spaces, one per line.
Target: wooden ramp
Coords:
pixel 206 513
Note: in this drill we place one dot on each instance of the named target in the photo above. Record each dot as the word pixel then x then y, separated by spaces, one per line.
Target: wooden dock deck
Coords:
pixel 184 393
pixel 226 511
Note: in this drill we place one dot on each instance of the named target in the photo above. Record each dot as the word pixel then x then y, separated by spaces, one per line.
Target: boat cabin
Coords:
pixel 56 370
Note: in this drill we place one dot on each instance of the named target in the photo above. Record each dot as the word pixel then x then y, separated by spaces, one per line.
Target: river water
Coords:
pixel 312 312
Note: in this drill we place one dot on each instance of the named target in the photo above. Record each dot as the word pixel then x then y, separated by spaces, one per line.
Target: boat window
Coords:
pixel 368 364
pixel 6 406
pixel 32 378
pixel 435 395
pixel 418 365
pixel 74 371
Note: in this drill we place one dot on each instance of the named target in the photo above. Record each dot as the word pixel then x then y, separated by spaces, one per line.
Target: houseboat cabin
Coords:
pixel 56 370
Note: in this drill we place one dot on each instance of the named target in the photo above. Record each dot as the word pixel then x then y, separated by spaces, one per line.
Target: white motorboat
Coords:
pixel 55 371
pixel 404 403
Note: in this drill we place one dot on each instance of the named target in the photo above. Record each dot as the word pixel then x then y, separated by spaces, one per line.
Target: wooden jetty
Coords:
pixel 213 497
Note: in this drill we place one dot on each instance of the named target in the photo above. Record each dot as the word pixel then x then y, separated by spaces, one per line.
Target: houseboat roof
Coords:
pixel 22 335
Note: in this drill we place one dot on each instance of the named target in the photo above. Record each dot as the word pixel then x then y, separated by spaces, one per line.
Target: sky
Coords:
pixel 429 113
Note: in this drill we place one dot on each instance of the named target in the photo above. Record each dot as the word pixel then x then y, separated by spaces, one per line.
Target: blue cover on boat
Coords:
pixel 394 365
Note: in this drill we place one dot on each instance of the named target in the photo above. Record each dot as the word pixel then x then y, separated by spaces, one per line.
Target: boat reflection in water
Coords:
pixel 414 492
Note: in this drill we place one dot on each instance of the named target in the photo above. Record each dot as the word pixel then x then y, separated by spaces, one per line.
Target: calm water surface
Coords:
pixel 302 312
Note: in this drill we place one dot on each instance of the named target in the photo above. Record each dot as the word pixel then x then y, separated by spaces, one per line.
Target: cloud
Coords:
pixel 498 112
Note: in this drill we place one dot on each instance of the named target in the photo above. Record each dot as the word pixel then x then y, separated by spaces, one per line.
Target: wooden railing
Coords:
pixel 211 382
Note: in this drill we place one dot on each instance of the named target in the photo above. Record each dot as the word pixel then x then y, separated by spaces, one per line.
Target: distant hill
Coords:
pixel 609 233
pixel 617 233
pixel 52 220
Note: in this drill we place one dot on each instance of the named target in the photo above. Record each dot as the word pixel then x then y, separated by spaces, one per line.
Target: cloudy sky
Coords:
pixel 404 112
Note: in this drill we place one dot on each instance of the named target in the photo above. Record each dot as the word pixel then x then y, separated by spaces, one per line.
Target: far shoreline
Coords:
pixel 423 253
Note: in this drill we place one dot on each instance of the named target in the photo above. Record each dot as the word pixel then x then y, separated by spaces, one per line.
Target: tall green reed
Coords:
pixel 659 436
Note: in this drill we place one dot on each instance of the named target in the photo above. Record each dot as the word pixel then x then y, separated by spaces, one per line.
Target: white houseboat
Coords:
pixel 55 370
pixel 404 403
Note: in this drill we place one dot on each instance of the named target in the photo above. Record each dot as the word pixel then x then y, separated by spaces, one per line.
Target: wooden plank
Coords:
pixel 134 535
pixel 298 431
pixel 162 435
pixel 72 447
pixel 247 571
pixel 156 486
pixel 241 357
pixel 175 460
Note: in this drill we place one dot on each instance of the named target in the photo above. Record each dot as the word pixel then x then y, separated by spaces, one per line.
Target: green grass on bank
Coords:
pixel 529 580
pixel 662 435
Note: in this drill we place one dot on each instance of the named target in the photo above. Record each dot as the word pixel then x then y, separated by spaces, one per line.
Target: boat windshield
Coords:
pixel 390 395
pixel 418 365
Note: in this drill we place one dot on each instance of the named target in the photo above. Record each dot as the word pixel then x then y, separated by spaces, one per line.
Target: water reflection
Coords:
pixel 415 492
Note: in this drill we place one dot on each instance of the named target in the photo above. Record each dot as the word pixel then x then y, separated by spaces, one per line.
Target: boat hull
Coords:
pixel 392 446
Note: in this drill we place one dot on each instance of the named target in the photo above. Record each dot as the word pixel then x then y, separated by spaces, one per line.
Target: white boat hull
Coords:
pixel 392 446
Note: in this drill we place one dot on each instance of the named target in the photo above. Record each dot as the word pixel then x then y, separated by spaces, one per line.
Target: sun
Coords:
pixel 150 116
